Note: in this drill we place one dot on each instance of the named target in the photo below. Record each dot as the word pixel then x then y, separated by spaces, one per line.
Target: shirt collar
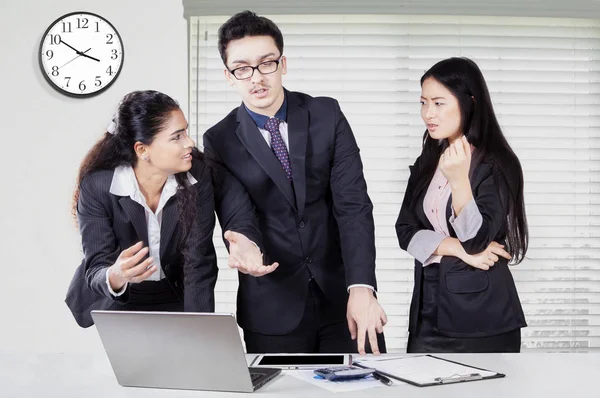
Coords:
pixel 260 120
pixel 124 183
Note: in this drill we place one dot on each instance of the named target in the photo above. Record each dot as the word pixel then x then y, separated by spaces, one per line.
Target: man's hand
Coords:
pixel 245 256
pixel 365 316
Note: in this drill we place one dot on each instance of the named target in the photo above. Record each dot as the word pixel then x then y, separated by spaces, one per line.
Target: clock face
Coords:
pixel 81 54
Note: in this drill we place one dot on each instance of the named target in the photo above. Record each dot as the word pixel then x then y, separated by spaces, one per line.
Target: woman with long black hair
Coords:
pixel 463 219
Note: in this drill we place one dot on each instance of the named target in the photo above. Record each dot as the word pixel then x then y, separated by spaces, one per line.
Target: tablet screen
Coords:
pixel 274 360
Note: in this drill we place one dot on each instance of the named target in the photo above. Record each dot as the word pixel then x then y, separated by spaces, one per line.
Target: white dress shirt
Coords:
pixel 124 183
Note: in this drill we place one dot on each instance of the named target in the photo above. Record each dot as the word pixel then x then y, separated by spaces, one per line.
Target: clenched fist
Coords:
pixel 456 160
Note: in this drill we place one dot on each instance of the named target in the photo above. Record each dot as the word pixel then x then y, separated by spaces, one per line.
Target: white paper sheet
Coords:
pixel 422 369
pixel 339 386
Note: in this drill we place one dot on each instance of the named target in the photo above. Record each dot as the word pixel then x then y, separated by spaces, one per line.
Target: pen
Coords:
pixel 382 378
pixel 458 378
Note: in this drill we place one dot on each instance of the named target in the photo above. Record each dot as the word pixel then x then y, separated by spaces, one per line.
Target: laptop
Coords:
pixel 179 350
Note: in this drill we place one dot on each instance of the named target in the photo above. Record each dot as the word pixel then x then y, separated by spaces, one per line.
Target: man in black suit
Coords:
pixel 295 156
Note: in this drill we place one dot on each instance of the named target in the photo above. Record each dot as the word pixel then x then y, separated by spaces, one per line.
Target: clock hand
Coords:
pixel 79 52
pixel 68 62
pixel 90 57
pixel 71 47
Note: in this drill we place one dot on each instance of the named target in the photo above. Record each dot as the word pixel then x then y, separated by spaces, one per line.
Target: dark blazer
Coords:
pixel 471 302
pixel 320 226
pixel 110 224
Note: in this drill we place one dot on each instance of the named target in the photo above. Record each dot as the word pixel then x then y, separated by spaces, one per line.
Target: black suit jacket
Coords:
pixel 110 224
pixel 320 226
pixel 471 302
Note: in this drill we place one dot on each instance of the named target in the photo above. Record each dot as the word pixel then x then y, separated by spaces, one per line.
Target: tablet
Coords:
pixel 301 361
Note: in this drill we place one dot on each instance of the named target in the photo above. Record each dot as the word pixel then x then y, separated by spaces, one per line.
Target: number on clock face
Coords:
pixel 81 54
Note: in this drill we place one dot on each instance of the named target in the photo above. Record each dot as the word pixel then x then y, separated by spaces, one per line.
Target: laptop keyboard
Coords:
pixel 260 377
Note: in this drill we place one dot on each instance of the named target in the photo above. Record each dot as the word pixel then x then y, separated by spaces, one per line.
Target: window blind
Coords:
pixel 544 79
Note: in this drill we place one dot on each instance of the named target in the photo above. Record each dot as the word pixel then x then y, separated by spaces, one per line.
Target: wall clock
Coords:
pixel 81 54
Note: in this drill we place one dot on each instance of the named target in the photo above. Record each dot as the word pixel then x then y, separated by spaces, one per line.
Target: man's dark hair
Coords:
pixel 244 24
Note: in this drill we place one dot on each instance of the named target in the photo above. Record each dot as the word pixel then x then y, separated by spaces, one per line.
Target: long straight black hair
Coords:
pixel 463 78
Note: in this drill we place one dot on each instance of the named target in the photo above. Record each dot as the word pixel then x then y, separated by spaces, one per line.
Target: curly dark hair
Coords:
pixel 139 117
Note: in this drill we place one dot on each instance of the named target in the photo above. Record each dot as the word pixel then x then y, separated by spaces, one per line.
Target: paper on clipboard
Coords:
pixel 379 358
pixel 427 370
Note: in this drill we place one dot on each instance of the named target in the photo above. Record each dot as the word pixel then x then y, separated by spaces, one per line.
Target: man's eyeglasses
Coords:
pixel 246 72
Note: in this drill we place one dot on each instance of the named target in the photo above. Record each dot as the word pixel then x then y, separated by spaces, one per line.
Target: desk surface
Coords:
pixel 528 375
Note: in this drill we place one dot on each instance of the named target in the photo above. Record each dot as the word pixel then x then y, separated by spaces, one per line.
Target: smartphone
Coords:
pixel 301 361
pixel 344 373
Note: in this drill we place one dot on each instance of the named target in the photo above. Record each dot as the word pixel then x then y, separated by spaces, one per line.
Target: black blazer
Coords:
pixel 320 226
pixel 471 302
pixel 109 224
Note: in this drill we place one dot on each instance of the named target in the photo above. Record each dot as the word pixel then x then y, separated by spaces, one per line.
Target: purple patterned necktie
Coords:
pixel 278 146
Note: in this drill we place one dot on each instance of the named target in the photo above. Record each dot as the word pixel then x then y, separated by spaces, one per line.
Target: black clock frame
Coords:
pixel 67 93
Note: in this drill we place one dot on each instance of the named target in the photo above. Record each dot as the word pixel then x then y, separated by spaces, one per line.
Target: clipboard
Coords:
pixel 461 373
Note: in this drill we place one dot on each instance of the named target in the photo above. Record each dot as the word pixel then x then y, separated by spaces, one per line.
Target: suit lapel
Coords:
pixel 448 215
pixel 419 206
pixel 137 217
pixel 168 224
pixel 421 214
pixel 297 119
pixel 252 140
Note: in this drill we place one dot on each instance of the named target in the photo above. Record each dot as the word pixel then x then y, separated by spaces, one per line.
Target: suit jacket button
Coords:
pixel 309 260
pixel 301 224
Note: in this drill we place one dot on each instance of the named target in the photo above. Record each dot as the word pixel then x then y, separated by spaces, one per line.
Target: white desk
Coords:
pixel 528 375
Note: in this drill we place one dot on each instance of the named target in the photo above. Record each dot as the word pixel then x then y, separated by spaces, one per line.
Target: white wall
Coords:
pixel 44 136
